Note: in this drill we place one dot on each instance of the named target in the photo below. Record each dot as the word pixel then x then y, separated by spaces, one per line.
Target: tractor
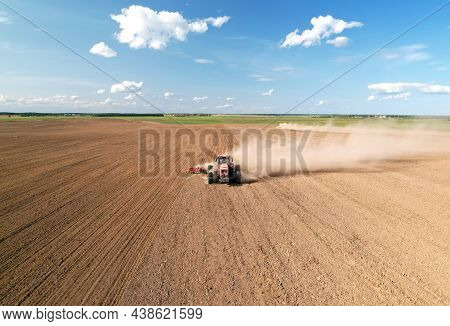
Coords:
pixel 223 170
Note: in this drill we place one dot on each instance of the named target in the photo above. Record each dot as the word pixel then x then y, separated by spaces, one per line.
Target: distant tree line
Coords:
pixel 349 116
pixel 37 114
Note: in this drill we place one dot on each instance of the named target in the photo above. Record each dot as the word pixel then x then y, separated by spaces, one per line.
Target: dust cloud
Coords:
pixel 293 149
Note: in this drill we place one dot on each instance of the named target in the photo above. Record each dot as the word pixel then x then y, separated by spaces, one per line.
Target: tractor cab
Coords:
pixel 224 159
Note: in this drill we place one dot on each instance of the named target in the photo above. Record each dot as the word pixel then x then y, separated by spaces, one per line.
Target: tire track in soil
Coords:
pixel 332 238
pixel 80 227
pixel 89 253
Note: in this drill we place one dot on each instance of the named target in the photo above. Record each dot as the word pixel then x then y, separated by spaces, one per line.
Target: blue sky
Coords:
pixel 225 56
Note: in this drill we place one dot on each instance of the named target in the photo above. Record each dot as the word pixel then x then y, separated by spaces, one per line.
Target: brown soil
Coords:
pixel 78 225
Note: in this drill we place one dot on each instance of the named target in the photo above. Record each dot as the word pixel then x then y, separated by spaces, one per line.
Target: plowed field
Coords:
pixel 80 225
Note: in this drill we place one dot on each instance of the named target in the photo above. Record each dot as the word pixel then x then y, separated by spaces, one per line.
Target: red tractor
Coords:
pixel 223 170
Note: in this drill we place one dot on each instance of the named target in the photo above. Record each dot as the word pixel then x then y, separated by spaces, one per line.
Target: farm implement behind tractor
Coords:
pixel 197 170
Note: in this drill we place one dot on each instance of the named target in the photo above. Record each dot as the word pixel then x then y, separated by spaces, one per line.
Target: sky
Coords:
pixel 224 57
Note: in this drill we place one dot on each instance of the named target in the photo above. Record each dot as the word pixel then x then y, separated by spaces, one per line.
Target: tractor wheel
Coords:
pixel 210 178
pixel 237 178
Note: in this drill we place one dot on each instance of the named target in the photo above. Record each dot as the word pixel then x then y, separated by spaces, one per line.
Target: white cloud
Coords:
pixel 126 86
pixel 103 50
pixel 168 94
pixel 261 78
pixel 219 21
pixel 5 99
pixel 283 69
pixel 200 99
pixel 410 53
pixel 4 19
pixel 181 100
pixel 268 93
pixel 403 91
pixel 100 91
pixel 418 56
pixel 339 41
pixel 130 97
pixel 400 96
pixel 323 28
pixel 47 100
pixel 321 103
pixel 229 99
pixel 392 88
pixel 60 101
pixel 224 106
pixel 204 61
pixel 142 27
